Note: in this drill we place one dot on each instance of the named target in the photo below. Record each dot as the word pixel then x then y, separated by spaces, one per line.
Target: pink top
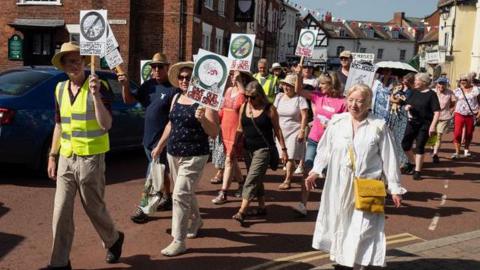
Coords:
pixel 325 107
pixel 445 100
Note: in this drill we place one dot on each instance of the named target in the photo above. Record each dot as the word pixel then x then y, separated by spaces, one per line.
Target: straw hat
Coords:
pixel 347 54
pixel 159 58
pixel 276 66
pixel 174 70
pixel 290 79
pixel 67 47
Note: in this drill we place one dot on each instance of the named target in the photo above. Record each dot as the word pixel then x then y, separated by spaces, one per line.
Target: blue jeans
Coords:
pixel 310 154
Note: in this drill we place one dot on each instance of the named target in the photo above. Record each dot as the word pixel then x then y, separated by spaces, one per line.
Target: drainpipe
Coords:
pixel 475 66
pixel 181 25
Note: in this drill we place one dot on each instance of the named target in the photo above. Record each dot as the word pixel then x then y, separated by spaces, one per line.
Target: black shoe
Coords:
pixel 66 267
pixel 435 159
pixel 139 217
pixel 165 203
pixel 417 176
pixel 115 251
pixel 409 168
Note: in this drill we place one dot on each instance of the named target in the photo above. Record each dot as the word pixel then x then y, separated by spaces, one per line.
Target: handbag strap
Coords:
pixel 258 130
pixel 466 100
pixel 351 155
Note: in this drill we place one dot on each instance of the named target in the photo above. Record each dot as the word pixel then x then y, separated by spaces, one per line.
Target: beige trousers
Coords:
pixel 185 172
pixel 87 175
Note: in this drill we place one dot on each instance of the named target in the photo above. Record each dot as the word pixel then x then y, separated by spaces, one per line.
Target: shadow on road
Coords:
pixel 8 243
pixel 215 262
pixel 432 264
pixel 426 212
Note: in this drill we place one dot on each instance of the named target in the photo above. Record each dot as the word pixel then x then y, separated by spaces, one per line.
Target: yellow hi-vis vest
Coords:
pixel 81 133
pixel 268 86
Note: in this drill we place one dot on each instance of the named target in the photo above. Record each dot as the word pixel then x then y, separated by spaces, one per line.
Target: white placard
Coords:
pixel 112 43
pixel 114 59
pixel 145 71
pixel 93 32
pixel 306 42
pixel 435 57
pixel 360 73
pixel 209 77
pixel 241 51
pixel 363 57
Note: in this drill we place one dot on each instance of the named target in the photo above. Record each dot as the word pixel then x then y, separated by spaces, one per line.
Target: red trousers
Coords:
pixel 461 121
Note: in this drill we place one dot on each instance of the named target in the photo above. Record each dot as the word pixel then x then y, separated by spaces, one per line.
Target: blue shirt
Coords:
pixel 156 99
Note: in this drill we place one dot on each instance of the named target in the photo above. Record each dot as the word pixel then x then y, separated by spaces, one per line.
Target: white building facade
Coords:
pixel 286 38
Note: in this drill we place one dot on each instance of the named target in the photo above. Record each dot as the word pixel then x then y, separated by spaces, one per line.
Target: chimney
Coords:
pixel 398 18
pixel 328 17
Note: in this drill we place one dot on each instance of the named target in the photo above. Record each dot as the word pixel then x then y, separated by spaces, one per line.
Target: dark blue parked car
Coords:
pixel 27 108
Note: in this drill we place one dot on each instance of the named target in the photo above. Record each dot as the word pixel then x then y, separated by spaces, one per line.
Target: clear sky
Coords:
pixel 369 10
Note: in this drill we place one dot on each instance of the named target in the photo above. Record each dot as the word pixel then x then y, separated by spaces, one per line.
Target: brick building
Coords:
pixel 176 27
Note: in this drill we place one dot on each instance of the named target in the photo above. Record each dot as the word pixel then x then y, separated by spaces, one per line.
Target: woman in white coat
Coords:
pixel 352 237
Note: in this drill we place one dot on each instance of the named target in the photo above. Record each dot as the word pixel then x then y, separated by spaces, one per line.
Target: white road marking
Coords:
pixel 444 199
pixel 434 223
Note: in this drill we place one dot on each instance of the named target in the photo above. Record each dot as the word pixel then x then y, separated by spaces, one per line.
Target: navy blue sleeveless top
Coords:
pixel 252 138
pixel 187 137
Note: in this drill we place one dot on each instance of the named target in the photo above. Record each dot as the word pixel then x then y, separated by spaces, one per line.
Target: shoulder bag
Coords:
pixel 274 156
pixel 369 193
pixel 475 122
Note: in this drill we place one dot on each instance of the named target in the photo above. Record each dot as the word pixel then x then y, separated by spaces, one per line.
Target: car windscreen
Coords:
pixel 18 82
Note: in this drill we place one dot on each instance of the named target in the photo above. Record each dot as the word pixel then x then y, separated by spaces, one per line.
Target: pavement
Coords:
pixel 456 252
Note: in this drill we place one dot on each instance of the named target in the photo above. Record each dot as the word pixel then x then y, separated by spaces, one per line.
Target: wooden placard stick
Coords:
pixel 92 64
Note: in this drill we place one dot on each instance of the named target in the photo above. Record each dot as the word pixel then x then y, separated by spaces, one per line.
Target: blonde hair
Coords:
pixel 331 78
pixel 365 90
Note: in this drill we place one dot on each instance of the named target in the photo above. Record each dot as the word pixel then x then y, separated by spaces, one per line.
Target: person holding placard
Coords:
pixel 155 95
pixel 186 138
pixel 80 140
pixel 266 80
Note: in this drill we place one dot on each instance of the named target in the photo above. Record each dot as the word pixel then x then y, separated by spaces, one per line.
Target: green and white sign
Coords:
pixel 15 48
pixel 209 78
pixel 241 51
pixel 306 42
pixel 145 71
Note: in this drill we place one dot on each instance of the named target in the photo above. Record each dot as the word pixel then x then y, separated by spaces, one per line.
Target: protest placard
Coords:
pixel 93 32
pixel 241 51
pixel 111 43
pixel 363 57
pixel 145 71
pixel 114 59
pixel 360 73
pixel 306 42
pixel 209 78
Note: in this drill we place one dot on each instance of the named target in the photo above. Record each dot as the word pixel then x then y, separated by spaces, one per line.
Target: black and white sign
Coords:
pixel 360 73
pixel 363 57
pixel 93 32
pixel 113 58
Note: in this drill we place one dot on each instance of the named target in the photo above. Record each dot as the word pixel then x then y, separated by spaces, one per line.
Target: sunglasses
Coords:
pixel 159 66
pixel 252 97
pixel 344 58
pixel 181 78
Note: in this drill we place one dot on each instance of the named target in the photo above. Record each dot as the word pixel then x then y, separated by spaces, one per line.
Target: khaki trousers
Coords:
pixel 185 172
pixel 87 175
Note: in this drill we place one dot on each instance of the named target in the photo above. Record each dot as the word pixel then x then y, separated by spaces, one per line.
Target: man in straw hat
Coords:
pixel 345 62
pixel 155 95
pixel 80 141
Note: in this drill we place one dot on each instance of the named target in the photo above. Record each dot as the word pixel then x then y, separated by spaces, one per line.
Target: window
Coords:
pixel 16 83
pixel 369 32
pixel 363 50
pixel 402 55
pixel 341 33
pixel 41 44
pixel 380 54
pixel 340 49
pixel 39 2
pixel 445 41
pixel 206 36
pixel 395 34
pixel 221 7
pixel 209 4
pixel 218 40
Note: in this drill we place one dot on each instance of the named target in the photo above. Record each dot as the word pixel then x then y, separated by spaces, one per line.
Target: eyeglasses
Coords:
pixel 344 58
pixel 72 61
pixel 326 74
pixel 252 97
pixel 181 78
pixel 159 66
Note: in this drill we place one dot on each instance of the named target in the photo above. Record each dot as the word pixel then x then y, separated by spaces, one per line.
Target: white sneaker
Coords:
pixel 298 170
pixel 194 227
pixel 301 209
pixel 455 156
pixel 175 248
pixel 467 153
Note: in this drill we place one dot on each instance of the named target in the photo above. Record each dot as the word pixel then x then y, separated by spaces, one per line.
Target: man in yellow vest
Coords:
pixel 80 141
pixel 266 80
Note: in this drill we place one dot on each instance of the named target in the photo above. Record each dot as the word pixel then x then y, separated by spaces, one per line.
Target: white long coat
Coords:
pixel 352 236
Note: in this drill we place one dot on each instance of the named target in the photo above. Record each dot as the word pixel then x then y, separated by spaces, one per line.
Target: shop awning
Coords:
pixel 44 23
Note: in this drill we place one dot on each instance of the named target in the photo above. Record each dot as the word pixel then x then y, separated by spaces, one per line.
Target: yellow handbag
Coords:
pixel 369 193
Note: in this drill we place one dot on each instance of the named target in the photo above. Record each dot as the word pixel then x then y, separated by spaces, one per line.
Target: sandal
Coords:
pixel 260 211
pixel 284 186
pixel 216 180
pixel 239 216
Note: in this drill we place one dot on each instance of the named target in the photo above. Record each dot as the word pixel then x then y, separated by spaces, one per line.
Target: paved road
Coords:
pixel 445 203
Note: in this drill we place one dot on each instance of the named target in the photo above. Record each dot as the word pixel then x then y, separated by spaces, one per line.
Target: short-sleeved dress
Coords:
pixel 290 118
pixel 229 120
